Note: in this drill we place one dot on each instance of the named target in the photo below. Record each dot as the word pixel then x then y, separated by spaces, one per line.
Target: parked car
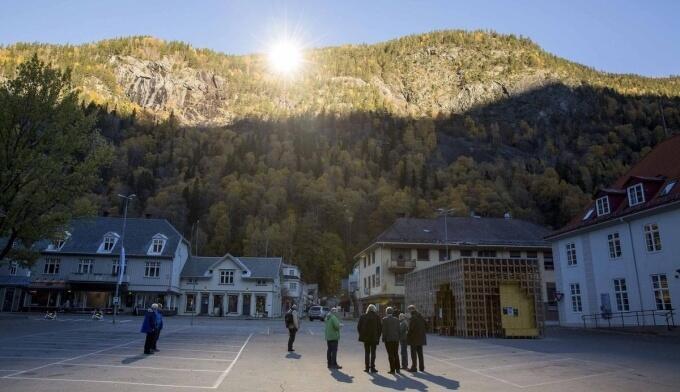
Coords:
pixel 317 313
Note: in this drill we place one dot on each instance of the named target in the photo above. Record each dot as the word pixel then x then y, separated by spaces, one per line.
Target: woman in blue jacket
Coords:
pixel 149 328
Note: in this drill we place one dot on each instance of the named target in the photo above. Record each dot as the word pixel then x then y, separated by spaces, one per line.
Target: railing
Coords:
pixel 402 264
pixel 631 318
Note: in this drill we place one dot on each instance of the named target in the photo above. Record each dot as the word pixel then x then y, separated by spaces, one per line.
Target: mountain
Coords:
pixel 422 75
pixel 312 169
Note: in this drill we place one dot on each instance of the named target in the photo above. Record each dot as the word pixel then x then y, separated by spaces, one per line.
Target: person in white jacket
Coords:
pixel 293 324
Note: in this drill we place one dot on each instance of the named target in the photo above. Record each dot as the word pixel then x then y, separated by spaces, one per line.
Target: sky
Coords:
pixel 641 37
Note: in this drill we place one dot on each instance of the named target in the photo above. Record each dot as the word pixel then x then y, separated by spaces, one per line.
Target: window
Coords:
pixel 115 268
pixel 551 293
pixel 652 237
pixel 661 293
pixel 152 269
pixel 515 254
pixel 532 254
pixel 621 293
pixel 588 214
pixel 424 254
pixel 13 268
pixel 108 243
pixel 614 245
pixel 465 253
pixel 602 205
pixel 399 279
pixel 636 194
pixel 157 244
pixel 58 243
pixel 576 305
pixel 668 188
pixel 364 261
pixel 51 266
pixel 226 276
pixel 571 254
pixel 373 281
pixel 486 253
pixel 293 285
pixel 261 282
pixel 548 263
pixel 85 266
pixel 377 276
pixel 291 272
pixel 442 255
pixel 191 303
pixel 365 284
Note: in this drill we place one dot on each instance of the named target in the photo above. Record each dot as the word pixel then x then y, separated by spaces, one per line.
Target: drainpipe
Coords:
pixel 637 274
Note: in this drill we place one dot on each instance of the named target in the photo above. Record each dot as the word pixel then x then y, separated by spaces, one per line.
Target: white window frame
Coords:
pixel 157 246
pixel 292 285
pixel 13 268
pixel 588 214
pixel 85 266
pixel 602 205
pixel 614 243
pixel 636 194
pixel 621 295
pixel 652 237
pixel 572 259
pixel 115 267
pixel 576 303
pixel 51 266
pixel 662 294
pixel 260 282
pixel 668 188
pixel 227 276
pixel 152 269
pixel 109 238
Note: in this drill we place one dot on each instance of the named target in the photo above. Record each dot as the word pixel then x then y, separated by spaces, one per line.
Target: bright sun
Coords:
pixel 285 57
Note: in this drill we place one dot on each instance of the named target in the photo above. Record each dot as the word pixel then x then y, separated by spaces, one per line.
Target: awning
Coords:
pixel 49 285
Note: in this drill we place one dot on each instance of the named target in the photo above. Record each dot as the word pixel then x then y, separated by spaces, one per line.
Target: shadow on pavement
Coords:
pixel 341 377
pixel 134 359
pixel 401 383
pixel 293 356
pixel 439 380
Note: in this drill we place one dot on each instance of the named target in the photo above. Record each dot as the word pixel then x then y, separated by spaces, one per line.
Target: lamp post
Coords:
pixel 121 263
pixel 446 212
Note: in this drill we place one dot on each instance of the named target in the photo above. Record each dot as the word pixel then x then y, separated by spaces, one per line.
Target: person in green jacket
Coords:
pixel 332 336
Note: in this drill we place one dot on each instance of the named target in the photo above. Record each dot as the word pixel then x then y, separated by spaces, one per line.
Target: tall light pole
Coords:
pixel 121 263
pixel 445 212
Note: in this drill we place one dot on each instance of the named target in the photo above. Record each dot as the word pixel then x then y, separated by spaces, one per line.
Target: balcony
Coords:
pixel 401 265
pixel 95 277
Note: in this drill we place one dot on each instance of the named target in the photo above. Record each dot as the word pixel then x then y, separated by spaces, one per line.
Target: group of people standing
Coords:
pixel 152 326
pixel 397 331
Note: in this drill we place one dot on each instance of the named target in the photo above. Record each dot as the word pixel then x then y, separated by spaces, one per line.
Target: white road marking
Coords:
pixel 572 379
pixel 231 365
pixel 111 382
pixel 165 356
pixel 523 364
pixel 140 367
pixel 476 372
pixel 200 351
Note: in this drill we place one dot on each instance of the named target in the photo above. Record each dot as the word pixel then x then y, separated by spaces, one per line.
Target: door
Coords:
pixel 217 305
pixel 518 313
pixel 233 304
pixel 8 300
pixel 245 309
pixel 205 300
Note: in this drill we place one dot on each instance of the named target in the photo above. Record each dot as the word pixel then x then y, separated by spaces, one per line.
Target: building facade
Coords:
pixel 230 286
pixel 617 262
pixel 412 244
pixel 292 286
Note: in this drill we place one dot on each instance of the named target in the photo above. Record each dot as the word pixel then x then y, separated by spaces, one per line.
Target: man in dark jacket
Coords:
pixel 369 329
pixel 149 328
pixel 416 338
pixel 159 325
pixel 390 333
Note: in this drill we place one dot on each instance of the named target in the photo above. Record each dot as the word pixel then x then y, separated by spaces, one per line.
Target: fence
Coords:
pixel 639 318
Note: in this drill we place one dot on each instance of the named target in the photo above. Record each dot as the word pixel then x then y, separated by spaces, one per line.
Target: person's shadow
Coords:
pixel 341 377
pixel 134 359
pixel 292 355
pixel 439 380
pixel 401 383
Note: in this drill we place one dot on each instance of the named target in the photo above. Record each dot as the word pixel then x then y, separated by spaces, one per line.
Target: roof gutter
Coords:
pixel 457 243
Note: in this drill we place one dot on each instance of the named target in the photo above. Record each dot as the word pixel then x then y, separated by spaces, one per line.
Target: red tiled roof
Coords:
pixel 661 164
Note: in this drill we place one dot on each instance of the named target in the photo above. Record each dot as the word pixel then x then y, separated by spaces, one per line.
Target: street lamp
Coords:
pixel 121 263
pixel 446 212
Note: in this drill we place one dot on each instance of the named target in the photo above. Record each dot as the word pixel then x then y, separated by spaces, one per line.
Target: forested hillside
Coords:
pixel 313 168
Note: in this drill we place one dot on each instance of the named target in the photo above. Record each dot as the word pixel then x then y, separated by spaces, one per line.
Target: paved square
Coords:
pixel 78 354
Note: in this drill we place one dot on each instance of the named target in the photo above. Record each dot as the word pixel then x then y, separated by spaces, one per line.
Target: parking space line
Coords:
pixel 572 379
pixel 166 356
pixel 22 357
pixel 141 367
pixel 200 351
pixel 110 382
pixel 476 372
pixel 231 365
pixel 522 364
pixel 481 356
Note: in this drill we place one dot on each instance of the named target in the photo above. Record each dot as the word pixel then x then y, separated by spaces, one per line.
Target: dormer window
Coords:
pixel 157 244
pixel 668 188
pixel 636 194
pixel 588 214
pixel 58 242
pixel 108 243
pixel 602 206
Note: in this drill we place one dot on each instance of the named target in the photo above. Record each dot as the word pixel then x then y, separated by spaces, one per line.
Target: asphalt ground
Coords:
pixel 75 353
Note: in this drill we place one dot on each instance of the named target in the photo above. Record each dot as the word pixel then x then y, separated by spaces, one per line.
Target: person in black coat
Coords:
pixel 149 328
pixel 416 338
pixel 390 333
pixel 369 329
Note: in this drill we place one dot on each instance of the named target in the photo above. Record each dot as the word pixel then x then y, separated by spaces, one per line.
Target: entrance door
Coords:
pixel 205 300
pixel 245 309
pixel 233 304
pixel 9 298
pixel 217 305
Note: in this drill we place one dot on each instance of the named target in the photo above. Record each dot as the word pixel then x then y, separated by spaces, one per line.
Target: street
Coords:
pixel 249 355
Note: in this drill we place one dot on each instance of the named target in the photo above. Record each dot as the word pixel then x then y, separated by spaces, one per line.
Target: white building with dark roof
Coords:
pixel 617 262
pixel 231 286
pixel 412 244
